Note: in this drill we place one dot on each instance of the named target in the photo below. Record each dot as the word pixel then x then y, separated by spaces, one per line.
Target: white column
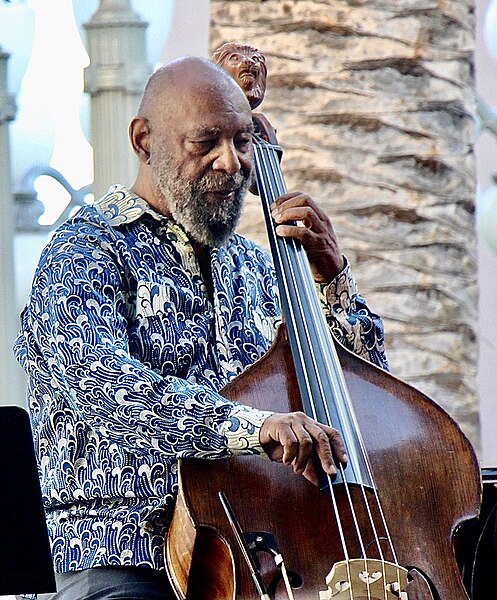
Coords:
pixel 115 80
pixel 11 377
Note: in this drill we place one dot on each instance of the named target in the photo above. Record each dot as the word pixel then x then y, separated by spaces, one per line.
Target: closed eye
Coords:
pixel 202 146
pixel 244 143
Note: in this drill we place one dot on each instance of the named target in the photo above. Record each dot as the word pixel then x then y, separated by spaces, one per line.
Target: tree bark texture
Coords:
pixel 374 105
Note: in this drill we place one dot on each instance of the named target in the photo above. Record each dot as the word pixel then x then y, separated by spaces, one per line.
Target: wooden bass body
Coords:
pixel 425 470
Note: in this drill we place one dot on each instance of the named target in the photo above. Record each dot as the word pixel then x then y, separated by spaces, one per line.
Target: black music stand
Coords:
pixel 25 558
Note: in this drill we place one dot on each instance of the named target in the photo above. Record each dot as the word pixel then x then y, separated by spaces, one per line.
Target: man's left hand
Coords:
pixel 314 230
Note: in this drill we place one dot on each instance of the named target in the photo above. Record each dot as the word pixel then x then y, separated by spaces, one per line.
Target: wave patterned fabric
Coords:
pixel 125 355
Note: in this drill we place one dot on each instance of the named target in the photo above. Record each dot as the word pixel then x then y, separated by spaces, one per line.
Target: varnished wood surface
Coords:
pixel 425 470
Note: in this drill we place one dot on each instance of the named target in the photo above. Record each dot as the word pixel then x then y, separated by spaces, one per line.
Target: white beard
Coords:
pixel 208 223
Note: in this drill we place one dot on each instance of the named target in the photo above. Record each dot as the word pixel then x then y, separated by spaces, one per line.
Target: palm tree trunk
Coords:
pixel 374 106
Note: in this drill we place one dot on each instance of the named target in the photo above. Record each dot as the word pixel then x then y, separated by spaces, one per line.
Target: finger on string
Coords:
pixel 327 445
pixel 300 232
pixel 305 445
pixel 303 213
pixel 290 445
pixel 338 445
pixel 285 198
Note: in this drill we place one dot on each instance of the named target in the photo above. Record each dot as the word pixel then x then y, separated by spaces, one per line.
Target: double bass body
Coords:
pixel 424 468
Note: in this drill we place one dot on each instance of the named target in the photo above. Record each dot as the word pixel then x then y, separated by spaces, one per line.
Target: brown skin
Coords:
pixel 314 230
pixel 205 119
pixel 206 129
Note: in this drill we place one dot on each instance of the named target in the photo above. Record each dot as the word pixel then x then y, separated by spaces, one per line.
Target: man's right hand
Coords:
pixel 296 440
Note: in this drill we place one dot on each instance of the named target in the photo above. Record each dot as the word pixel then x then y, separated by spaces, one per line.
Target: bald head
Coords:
pixel 188 76
pixel 193 136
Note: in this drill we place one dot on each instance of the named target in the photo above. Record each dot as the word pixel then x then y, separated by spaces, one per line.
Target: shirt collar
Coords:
pixel 119 206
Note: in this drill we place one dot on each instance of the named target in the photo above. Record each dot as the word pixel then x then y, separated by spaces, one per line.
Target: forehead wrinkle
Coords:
pixel 204 130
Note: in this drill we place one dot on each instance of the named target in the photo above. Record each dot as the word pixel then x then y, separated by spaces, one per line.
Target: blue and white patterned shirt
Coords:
pixel 125 355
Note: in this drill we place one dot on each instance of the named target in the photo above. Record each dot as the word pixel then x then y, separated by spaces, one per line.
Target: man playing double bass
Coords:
pixel 144 306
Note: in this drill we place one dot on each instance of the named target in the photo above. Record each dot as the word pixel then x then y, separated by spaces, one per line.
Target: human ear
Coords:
pixel 139 136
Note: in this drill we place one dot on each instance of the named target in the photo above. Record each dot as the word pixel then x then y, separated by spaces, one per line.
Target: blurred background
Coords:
pixel 386 114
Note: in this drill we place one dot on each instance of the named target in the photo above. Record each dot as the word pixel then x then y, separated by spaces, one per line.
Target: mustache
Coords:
pixel 217 182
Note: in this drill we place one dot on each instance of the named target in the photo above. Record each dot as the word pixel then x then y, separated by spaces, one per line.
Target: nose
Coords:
pixel 227 159
pixel 248 62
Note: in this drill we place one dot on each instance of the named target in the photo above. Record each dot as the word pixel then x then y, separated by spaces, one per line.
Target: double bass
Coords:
pixel 383 529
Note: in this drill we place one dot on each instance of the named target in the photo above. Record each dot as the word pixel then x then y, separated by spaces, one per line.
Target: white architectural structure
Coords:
pixel 11 382
pixel 115 80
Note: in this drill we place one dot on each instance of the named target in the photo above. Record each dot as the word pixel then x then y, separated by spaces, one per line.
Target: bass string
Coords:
pixel 332 362
pixel 276 185
pixel 273 186
pixel 300 276
pixel 269 193
pixel 332 366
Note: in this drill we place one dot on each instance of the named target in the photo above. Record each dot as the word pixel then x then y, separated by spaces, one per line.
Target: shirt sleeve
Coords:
pixel 351 320
pixel 74 347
